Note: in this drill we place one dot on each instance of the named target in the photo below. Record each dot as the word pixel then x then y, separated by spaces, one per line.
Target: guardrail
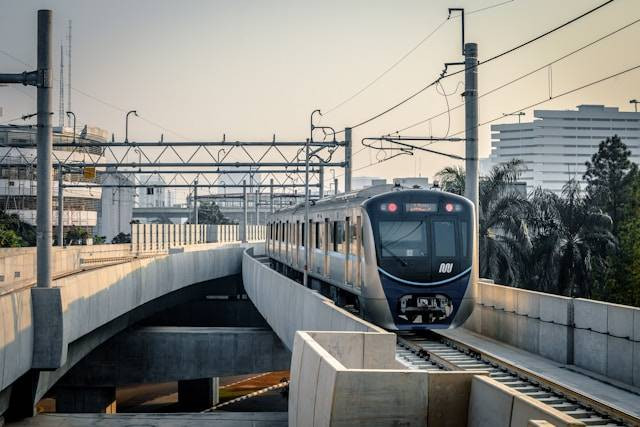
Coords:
pixel 601 337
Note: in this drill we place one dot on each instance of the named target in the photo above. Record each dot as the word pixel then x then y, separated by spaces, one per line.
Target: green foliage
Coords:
pixel 452 179
pixel 11 225
pixel 99 240
pixel 209 213
pixel 9 239
pixel 75 235
pixel 122 238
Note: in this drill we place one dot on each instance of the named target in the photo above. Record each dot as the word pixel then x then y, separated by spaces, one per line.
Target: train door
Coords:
pixel 358 252
pixel 444 260
pixel 325 247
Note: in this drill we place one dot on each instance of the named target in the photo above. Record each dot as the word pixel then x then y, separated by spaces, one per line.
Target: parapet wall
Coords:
pixel 593 335
pixel 353 379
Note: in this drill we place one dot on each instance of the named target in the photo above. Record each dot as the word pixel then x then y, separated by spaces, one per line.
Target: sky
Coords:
pixel 197 69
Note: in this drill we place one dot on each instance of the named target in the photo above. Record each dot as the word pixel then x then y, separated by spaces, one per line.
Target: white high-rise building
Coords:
pixel 556 145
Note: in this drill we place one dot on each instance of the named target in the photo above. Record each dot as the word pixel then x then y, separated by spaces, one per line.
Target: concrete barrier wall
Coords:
pixel 492 404
pixel 601 337
pixel 352 378
pixel 16 336
pixel 18 265
pixel 78 304
pixel 289 307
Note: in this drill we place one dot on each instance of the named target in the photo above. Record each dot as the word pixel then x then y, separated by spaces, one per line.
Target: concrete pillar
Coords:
pixel 96 400
pixel 196 395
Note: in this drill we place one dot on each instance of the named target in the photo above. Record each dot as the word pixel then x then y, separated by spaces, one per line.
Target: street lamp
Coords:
pixel 635 102
pixel 126 128
pixel 72 114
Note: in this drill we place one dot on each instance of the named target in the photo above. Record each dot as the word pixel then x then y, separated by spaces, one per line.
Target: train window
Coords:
pixel 403 239
pixel 444 235
pixel 330 235
pixel 338 242
pixel 326 234
pixel 276 236
pixel 353 238
pixel 318 233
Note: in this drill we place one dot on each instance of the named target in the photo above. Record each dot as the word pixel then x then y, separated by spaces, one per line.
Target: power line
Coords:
pixel 561 58
pixel 528 107
pixel 407 54
pixel 504 53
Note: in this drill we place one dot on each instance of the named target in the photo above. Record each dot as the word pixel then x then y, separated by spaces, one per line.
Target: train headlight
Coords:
pixel 389 207
pixel 449 207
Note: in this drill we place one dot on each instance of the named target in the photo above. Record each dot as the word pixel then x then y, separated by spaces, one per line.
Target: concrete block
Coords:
pixel 379 351
pixel 325 394
pixel 620 359
pixel 448 398
pixel 347 348
pixel 506 327
pixel 489 322
pixel 590 351
pixel 636 325
pixel 510 298
pixel 474 321
pixel 490 403
pixel 554 342
pixel 526 408
pixel 620 320
pixel 528 335
pixel 555 309
pixel 528 303
pixel 307 383
pixel 590 314
pixel 497 296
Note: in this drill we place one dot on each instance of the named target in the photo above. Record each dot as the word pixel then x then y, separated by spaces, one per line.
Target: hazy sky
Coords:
pixel 252 68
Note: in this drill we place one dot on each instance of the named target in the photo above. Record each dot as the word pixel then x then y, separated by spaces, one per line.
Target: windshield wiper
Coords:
pixel 396 257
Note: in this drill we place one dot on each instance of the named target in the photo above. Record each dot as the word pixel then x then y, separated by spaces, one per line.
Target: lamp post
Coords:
pixel 635 103
pixel 72 114
pixel 126 127
pixel 519 114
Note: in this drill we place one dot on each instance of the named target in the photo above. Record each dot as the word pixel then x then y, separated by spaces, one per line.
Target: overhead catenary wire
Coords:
pixel 407 54
pixel 528 107
pixel 527 74
pixel 490 59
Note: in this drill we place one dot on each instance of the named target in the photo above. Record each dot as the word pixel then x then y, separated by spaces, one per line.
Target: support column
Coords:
pixel 471 130
pixel 44 138
pixel 335 186
pixel 61 206
pixel 197 395
pixel 257 207
pixel 244 211
pixel 321 180
pixel 347 160
pixel 95 400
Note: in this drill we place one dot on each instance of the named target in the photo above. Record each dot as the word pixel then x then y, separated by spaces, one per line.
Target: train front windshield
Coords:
pixel 421 237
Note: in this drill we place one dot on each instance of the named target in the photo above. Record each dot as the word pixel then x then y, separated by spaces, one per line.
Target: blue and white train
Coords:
pixel 402 257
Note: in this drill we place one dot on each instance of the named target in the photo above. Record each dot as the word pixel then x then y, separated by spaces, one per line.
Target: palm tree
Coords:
pixel 503 233
pixel 570 239
pixel 452 179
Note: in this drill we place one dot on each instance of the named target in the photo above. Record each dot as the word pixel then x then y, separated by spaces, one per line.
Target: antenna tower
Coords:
pixel 69 71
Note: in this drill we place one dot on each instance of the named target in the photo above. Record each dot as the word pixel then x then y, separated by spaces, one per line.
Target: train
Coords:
pixel 403 258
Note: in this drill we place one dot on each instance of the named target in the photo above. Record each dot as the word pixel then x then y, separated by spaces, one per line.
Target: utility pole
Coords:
pixel 335 186
pixel 321 179
pixel 257 206
pixel 44 138
pixel 306 228
pixel 61 206
pixel 42 78
pixel 635 104
pixel 471 130
pixel 244 211
pixel 347 159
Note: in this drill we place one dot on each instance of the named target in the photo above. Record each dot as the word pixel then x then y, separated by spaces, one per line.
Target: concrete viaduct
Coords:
pixel 347 372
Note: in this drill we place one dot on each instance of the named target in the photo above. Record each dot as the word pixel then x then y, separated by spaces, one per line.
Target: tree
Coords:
pixel 503 234
pixel 568 236
pixel 9 238
pixel 76 235
pixel 452 179
pixel 26 232
pixel 609 178
pixel 121 238
pixel 209 213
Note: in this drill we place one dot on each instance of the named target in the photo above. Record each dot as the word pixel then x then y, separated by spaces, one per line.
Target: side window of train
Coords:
pixel 353 237
pixel 327 234
pixel 444 236
pixel 302 234
pixel 318 235
pixel 339 237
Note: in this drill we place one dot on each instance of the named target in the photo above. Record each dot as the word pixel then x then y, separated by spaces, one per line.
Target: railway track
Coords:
pixel 434 352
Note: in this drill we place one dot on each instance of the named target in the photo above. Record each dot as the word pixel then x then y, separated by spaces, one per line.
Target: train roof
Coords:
pixel 351 198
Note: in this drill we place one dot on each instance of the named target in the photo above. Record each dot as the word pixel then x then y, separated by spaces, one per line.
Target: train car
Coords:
pixel 402 257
